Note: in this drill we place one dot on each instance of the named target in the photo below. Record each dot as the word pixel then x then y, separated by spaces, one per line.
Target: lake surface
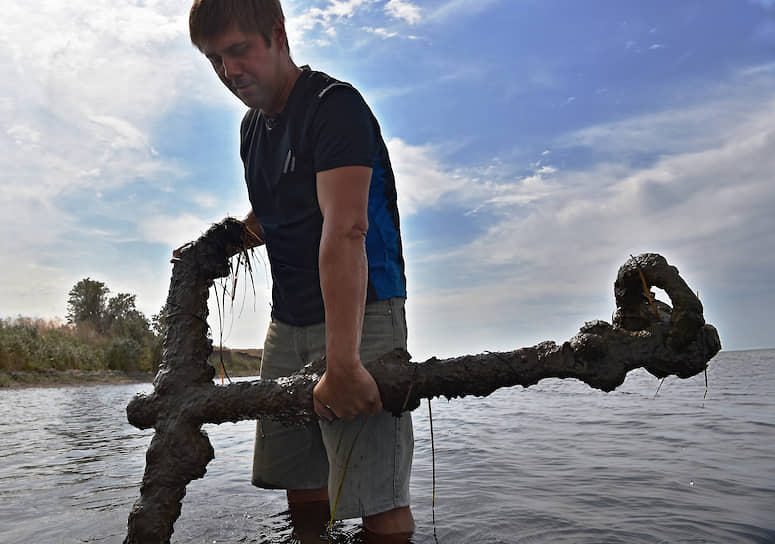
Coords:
pixel 557 462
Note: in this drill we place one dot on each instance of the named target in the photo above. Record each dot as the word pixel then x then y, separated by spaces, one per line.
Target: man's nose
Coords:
pixel 230 68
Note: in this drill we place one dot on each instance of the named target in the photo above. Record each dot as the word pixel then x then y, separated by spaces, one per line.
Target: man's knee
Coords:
pixel 299 496
pixel 397 525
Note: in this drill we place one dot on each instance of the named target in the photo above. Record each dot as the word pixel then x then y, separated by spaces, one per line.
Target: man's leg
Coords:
pixel 302 496
pixel 398 523
pixel 292 458
pixel 375 486
pixel 310 512
pixel 376 489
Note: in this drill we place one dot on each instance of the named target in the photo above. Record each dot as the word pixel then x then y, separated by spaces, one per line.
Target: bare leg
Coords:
pixel 307 495
pixel 391 527
pixel 309 511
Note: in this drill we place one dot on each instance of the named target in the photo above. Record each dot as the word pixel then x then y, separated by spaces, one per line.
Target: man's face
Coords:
pixel 249 68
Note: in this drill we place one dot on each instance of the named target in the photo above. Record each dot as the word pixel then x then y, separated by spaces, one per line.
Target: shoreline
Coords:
pixel 25 379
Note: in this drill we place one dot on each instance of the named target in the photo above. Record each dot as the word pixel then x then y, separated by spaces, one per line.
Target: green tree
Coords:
pixel 159 321
pixel 122 331
pixel 124 353
pixel 159 327
pixel 122 318
pixel 86 303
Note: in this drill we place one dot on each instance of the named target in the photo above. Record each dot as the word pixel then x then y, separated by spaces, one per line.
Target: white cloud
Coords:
pixel 677 128
pixel 343 8
pixel 80 75
pixel 421 180
pixel 403 9
pixel 173 231
pixel 548 260
pixel 122 133
pixel 24 135
pixel 691 201
pixel 758 70
pixel 382 32
pixel 460 8
pixel 205 200
pixel 304 24
pixel 83 87
pixel 302 20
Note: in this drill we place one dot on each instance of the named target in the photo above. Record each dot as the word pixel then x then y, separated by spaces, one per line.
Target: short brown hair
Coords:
pixel 209 18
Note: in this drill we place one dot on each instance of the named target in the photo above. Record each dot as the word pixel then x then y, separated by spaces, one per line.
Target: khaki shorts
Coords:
pixel 313 457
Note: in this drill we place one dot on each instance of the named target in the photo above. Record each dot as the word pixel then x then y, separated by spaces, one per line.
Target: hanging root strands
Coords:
pixel 659 386
pixel 242 262
pixel 433 467
pixel 645 287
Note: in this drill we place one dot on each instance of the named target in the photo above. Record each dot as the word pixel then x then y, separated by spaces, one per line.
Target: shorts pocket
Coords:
pixel 379 308
pixel 384 329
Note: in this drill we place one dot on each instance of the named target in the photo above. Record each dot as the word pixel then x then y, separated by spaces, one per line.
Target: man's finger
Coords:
pixel 376 407
pixel 324 411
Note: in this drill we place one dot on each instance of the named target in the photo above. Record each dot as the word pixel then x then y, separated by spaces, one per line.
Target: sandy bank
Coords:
pixel 14 379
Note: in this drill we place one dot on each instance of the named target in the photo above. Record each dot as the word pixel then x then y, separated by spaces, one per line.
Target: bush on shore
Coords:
pixel 103 335
pixel 40 345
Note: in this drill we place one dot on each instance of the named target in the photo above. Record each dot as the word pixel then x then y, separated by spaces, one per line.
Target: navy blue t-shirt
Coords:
pixel 325 124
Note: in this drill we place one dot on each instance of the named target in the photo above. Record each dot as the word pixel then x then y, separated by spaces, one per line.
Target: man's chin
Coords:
pixel 248 98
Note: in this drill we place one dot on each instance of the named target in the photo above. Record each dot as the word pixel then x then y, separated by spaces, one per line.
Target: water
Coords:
pixel 557 462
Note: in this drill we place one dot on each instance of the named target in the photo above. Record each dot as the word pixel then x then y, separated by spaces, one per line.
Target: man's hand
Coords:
pixel 254 232
pixel 252 237
pixel 346 395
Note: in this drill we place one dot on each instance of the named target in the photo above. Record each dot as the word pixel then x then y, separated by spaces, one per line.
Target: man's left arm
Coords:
pixel 346 389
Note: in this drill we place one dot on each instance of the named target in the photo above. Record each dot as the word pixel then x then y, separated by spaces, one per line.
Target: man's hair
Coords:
pixel 209 18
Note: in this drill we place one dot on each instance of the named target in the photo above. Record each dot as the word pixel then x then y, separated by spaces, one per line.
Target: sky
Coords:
pixel 536 144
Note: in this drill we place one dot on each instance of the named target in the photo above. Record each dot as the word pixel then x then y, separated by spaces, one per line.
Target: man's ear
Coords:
pixel 278 34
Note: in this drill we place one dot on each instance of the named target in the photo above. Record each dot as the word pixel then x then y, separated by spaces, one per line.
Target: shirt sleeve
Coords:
pixel 247 128
pixel 344 131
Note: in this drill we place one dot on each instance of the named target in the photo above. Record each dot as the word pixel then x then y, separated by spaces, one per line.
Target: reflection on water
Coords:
pixel 557 462
pixel 68 461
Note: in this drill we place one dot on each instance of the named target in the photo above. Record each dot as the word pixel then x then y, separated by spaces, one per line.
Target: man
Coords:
pixel 323 201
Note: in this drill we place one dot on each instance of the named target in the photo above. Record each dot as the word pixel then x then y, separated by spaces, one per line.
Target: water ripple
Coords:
pixel 558 462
